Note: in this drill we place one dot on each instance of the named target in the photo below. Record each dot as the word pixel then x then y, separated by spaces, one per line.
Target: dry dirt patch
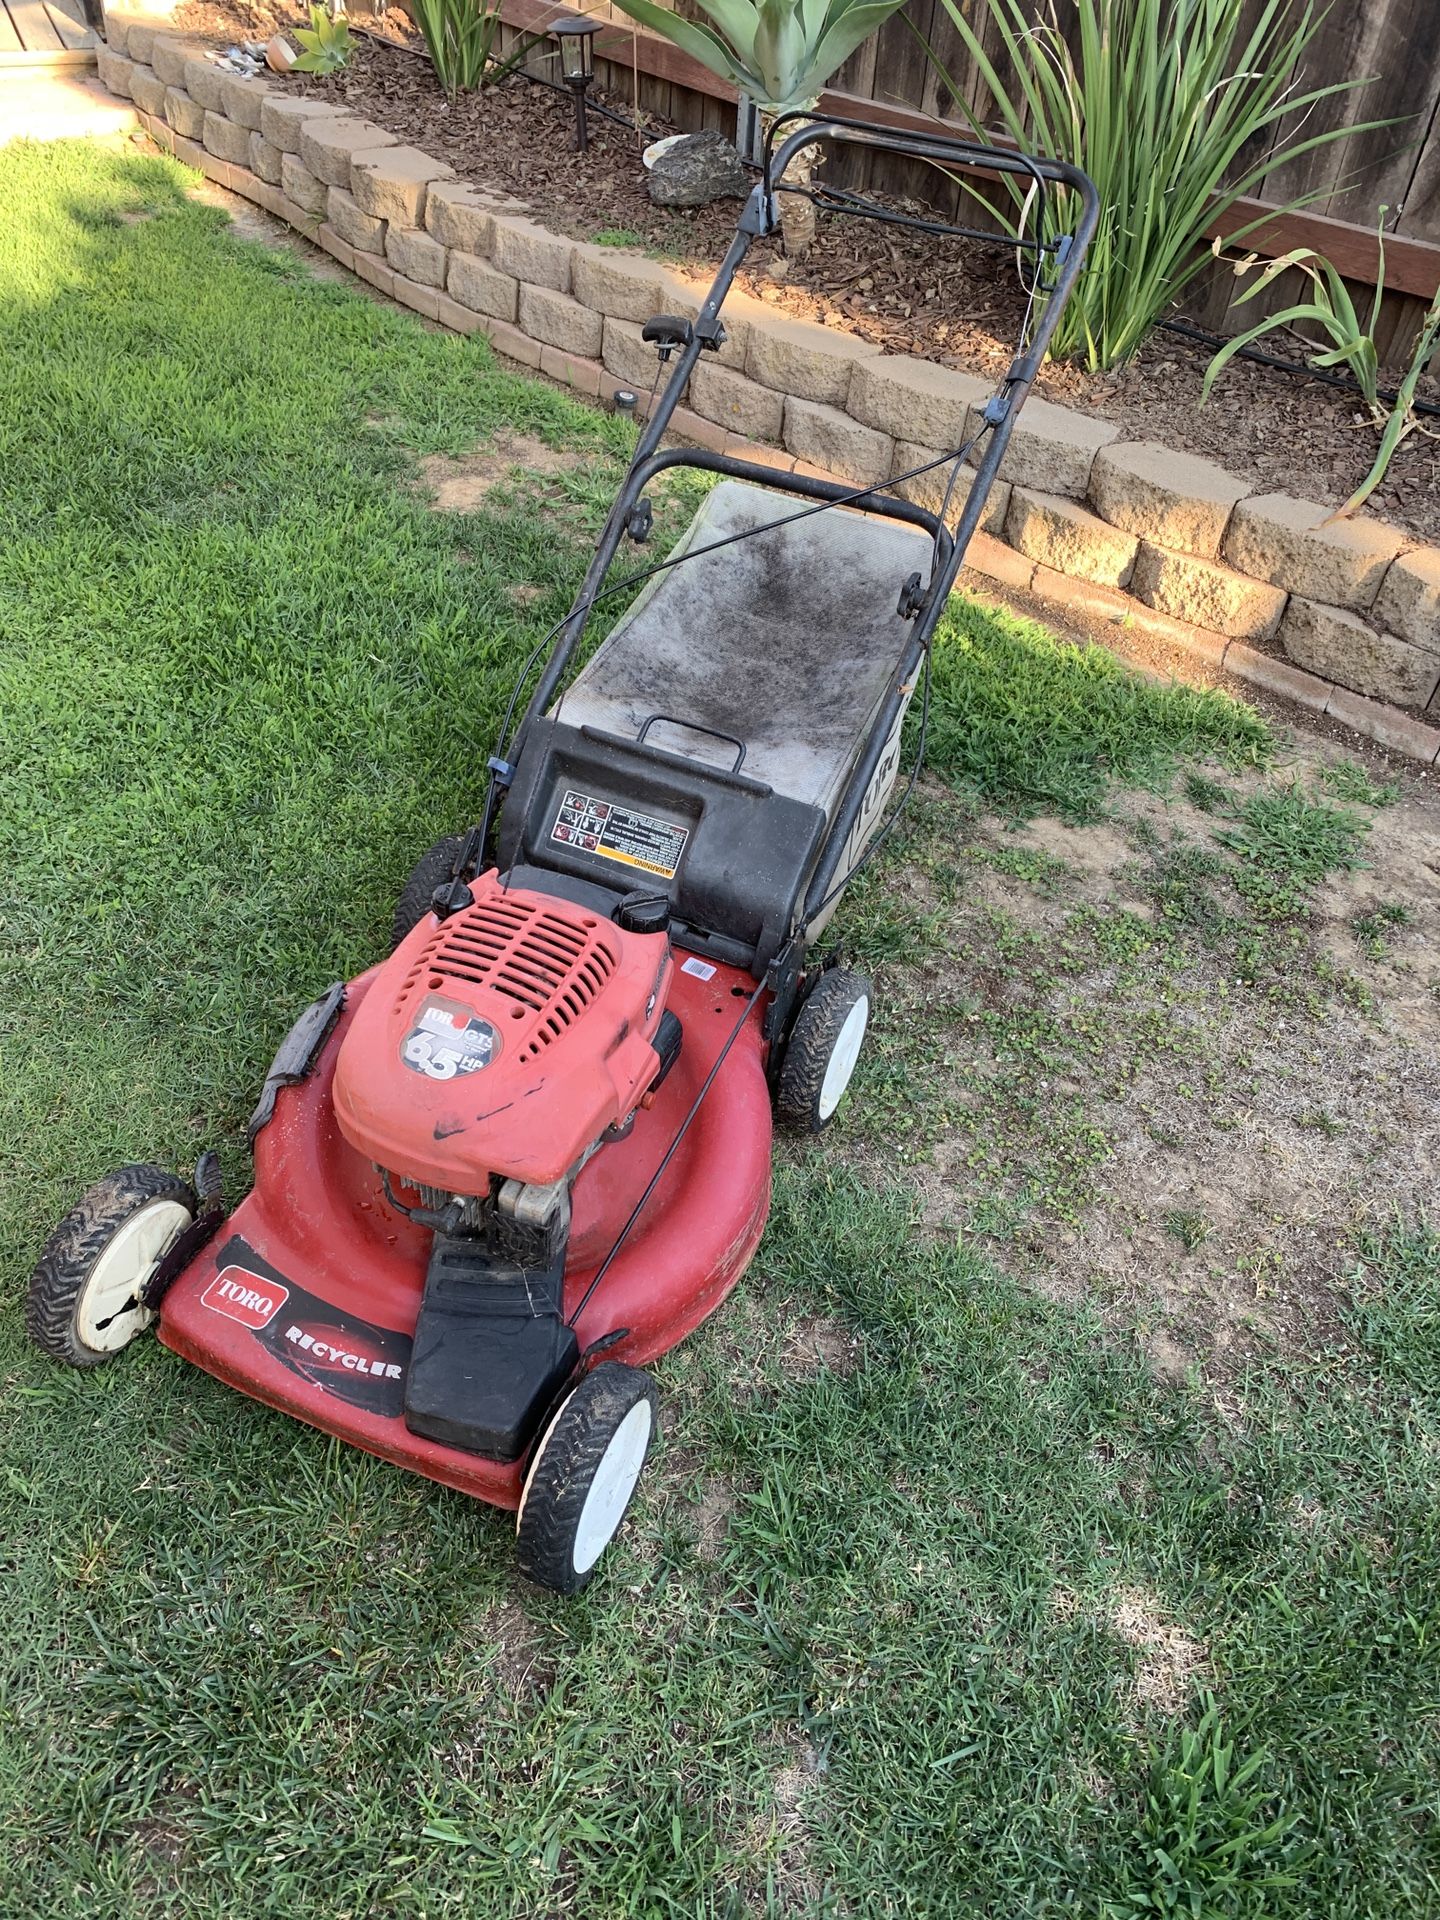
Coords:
pixel 462 484
pixel 1154 1101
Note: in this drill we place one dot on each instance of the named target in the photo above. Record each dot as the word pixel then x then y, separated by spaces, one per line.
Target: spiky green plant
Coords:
pixel 1352 347
pixel 1160 102
pixel 460 37
pixel 780 52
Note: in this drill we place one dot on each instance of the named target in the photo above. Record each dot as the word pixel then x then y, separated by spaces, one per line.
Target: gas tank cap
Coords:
pixel 643 913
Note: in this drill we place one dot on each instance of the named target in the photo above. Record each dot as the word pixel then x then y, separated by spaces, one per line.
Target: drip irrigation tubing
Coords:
pixel 1345 381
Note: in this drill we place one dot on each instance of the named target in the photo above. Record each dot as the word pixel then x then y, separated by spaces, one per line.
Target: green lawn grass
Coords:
pixel 245 676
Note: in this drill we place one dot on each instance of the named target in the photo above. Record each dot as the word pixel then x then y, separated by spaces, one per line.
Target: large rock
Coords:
pixel 699 168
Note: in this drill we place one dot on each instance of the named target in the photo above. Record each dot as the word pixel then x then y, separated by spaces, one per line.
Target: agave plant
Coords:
pixel 780 52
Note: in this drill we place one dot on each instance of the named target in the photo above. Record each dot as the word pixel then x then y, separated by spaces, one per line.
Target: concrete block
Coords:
pixel 632 360
pixel 225 140
pixel 530 253
pixel 1295 545
pixel 389 183
pixel 417 255
pixel 203 81
pixel 620 284
pixel 912 399
pixel 265 159
pixel 297 183
pixel 141 33
pixel 327 144
pixel 357 229
pixel 182 113
pixel 558 321
pixel 458 216
pixel 1058 532
pixel 414 294
pixel 476 284
pixel 1170 499
pixel 831 440
pixel 1206 593
pixel 798 357
pixel 1385 726
pixel 282 115
pixel 929 489
pixel 371 268
pixel 1343 647
pixel 996 561
pixel 169 54
pixel 459 319
pixel 1052 449
pixel 514 344
pixel 338 249
pixel 731 401
pixel 115 72
pixel 241 99
pixel 572 370
pixel 1274 676
pixel 1408 602
pixel 148 91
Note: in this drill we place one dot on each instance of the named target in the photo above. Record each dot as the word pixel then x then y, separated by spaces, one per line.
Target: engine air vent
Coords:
pixel 547 963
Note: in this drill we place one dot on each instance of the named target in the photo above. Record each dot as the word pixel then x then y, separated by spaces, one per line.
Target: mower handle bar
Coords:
pixel 760 217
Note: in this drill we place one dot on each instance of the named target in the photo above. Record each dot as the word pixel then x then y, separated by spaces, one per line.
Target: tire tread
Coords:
pixel 77 1243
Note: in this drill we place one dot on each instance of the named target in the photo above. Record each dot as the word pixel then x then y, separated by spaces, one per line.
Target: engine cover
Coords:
pixel 501 1041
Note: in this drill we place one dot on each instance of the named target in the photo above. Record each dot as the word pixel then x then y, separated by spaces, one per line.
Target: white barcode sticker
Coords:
pixel 701 969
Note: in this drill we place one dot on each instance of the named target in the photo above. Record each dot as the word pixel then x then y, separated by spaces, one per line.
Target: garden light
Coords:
pixel 576 35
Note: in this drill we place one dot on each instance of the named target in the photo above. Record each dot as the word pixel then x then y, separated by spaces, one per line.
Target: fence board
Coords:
pixel 1395 45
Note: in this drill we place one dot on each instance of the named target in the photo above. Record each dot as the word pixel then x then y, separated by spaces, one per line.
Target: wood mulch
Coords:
pixel 956 302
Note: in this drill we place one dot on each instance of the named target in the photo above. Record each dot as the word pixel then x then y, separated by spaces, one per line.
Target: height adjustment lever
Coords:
pixel 667 331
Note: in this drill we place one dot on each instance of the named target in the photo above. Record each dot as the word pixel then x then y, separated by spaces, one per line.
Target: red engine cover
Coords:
pixel 503 1040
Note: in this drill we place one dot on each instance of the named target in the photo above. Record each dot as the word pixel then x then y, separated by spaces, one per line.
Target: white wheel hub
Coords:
pixel 612 1486
pixel 108 1314
pixel 843 1055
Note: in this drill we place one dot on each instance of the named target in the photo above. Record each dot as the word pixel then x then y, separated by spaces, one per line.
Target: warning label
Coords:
pixel 619 833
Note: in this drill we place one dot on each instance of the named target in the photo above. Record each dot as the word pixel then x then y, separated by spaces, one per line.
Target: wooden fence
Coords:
pixel 1395 44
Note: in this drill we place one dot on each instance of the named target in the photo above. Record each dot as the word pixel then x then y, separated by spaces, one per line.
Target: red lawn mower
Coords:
pixel 503 1170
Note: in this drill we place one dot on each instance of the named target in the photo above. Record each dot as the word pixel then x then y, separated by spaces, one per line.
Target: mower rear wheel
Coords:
pixel 430 871
pixel 822 1050
pixel 583 1476
pixel 84 1302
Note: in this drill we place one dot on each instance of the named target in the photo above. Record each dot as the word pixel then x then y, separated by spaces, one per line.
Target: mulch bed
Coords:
pixel 956 302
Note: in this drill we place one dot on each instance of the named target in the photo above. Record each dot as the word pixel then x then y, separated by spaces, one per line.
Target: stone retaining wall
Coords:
pixel 1128 531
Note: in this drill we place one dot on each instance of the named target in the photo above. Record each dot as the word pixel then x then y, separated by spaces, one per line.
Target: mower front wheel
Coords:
pixel 86 1295
pixel 430 871
pixel 583 1476
pixel 822 1050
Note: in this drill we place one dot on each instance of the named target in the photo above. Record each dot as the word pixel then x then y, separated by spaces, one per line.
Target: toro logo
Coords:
pixel 244 1296
pixel 322 1349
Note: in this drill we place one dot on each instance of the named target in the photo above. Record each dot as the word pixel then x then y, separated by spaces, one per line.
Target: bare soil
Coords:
pixel 1249 1129
pixel 956 302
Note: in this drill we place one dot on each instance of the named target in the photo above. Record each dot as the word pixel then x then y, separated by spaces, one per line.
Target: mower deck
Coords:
pixel 308 1297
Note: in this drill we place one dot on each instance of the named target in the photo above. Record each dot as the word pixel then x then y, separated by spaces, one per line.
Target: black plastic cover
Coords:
pixel 491 1351
pixel 739 853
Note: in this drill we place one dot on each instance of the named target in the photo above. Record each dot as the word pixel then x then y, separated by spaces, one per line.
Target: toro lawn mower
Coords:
pixel 498 1173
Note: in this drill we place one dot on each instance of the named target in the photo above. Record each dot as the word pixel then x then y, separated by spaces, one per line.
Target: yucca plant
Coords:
pixel 460 36
pixel 780 52
pixel 1161 102
pixel 1331 309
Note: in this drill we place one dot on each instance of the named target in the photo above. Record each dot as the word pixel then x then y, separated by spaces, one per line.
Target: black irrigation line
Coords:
pixel 1345 381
